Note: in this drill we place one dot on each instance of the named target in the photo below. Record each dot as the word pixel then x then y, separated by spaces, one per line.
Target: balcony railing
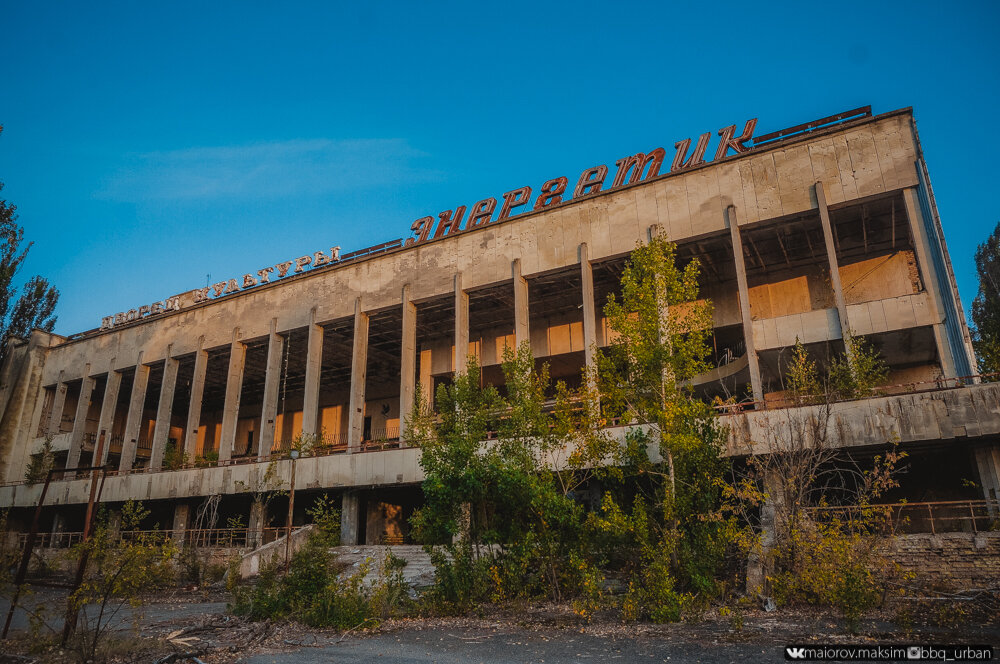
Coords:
pixel 210 538
pixel 388 438
pixel 955 516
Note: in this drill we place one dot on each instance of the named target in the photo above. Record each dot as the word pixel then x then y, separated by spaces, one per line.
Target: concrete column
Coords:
pixel 161 430
pixel 194 408
pixel 350 518
pixel 58 528
pixel 931 281
pixel 521 331
pixel 234 387
pixel 407 361
pixel 58 404
pixel 461 326
pixel 988 464
pixel 258 521
pixel 741 280
pixel 771 511
pixel 133 422
pixel 107 419
pixel 182 514
pixel 314 369
pixel 589 307
pixel 834 267
pixel 359 374
pixel 272 381
pixel 80 420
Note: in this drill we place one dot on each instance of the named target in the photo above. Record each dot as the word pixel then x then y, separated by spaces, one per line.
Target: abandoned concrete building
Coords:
pixel 802 234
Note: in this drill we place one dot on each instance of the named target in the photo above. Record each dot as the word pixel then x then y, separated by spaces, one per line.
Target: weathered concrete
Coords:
pixel 108 406
pixel 136 403
pixel 833 266
pixel 194 408
pixel 359 376
pixel 161 428
pixel 272 380
pixel 521 317
pixel 461 352
pixel 234 390
pixel 749 333
pixel 407 361
pixel 849 165
pixel 967 413
pixel 350 515
pixel 962 413
pixel 314 366
pixel 252 562
pixel 987 457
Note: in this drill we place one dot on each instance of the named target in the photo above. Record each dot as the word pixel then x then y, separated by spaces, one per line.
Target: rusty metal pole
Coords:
pixel 71 613
pixel 291 507
pixel 22 569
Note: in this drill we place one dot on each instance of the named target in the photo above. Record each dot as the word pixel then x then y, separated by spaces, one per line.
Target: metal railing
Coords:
pixel 217 538
pixel 948 516
pixel 388 438
pixel 898 389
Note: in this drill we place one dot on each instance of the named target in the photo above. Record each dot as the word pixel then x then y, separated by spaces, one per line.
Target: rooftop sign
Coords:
pixel 636 168
pixel 630 170
pixel 249 280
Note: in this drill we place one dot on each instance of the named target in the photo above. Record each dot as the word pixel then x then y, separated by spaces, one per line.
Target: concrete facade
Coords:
pixel 834 229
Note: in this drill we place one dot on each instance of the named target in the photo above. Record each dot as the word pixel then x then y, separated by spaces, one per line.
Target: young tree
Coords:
pixel 660 330
pixel 501 469
pixel 986 306
pixel 123 564
pixel 34 307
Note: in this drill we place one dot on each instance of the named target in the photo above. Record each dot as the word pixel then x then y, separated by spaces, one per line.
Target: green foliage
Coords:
pixel 174 458
pixel 986 305
pixel 849 376
pixel 304 443
pixel 123 564
pixel 834 557
pixel 462 580
pixel 317 592
pixel 512 494
pixel 834 566
pixel 208 458
pixel 41 463
pixel 802 376
pixel 502 513
pixel 326 519
pixel 861 374
pixel 676 535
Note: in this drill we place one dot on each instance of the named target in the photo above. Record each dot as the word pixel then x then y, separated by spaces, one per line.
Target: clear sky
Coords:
pixel 148 145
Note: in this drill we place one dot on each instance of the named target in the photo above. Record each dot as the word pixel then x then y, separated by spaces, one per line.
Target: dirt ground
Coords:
pixel 195 622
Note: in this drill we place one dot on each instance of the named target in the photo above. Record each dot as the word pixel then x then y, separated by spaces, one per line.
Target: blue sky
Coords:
pixel 150 145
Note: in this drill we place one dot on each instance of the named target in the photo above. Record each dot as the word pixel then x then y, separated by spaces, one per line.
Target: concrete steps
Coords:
pixel 418 572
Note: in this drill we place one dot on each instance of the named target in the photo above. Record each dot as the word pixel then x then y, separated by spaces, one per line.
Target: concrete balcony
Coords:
pixel 935 415
pixel 943 414
pixel 897 313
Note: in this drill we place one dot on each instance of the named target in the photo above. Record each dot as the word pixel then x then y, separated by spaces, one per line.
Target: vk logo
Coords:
pixel 795 653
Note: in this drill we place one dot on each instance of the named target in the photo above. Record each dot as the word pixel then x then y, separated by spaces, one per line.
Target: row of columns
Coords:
pixel 920 243
pixel 408 358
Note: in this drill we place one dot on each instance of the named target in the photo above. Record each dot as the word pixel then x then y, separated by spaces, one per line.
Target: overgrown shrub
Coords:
pixel 832 567
pixel 318 592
